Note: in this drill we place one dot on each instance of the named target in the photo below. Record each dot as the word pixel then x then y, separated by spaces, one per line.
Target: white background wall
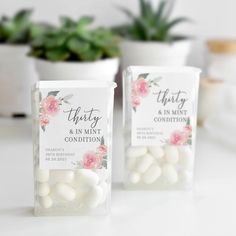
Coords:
pixel 213 18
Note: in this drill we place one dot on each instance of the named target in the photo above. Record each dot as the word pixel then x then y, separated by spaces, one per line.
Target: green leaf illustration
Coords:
pixel 40 96
pixel 188 121
pixel 104 163
pixel 66 98
pixel 143 76
pixel 156 80
pixel 53 93
pixel 102 141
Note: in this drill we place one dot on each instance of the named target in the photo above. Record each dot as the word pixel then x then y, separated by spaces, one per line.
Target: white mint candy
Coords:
pixel 186 157
pixel 156 151
pixel 144 163
pixel 136 151
pixel 64 191
pixel 104 187
pixel 152 174
pixel 81 193
pixel 186 176
pixel 45 202
pixel 171 154
pixel 134 177
pixel 42 175
pixel 62 176
pixel 77 184
pixel 170 174
pixel 94 197
pixel 87 177
pixel 131 162
pixel 43 189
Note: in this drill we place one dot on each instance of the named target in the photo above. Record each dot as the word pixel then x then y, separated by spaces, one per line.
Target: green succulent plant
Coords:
pixel 19 29
pixel 151 24
pixel 16 30
pixel 75 41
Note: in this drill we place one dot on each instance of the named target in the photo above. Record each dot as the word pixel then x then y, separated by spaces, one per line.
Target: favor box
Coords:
pixel 160 108
pixel 72 146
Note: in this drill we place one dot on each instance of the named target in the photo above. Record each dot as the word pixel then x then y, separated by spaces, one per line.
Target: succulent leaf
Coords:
pixel 77 45
pixel 19 29
pixel 57 54
pixel 151 24
pixel 75 41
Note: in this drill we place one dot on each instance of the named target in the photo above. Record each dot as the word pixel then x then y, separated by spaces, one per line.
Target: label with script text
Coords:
pixel 73 128
pixel 162 107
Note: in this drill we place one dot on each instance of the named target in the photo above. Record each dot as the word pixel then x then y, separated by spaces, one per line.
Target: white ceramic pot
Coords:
pixel 17 74
pixel 154 53
pixel 99 70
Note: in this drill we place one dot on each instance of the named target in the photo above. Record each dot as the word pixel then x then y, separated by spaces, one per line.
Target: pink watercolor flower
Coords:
pixel 178 138
pixel 50 105
pixel 141 87
pixel 188 129
pixel 43 120
pixel 135 101
pixel 102 150
pixel 91 160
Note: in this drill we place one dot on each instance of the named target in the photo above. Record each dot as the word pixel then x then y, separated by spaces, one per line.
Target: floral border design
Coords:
pixel 94 159
pixel 141 88
pixel 182 137
pixel 50 106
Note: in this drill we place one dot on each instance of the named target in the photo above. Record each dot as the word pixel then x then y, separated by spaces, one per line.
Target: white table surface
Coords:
pixel 208 210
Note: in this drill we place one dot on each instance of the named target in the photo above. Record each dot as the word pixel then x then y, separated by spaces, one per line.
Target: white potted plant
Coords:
pixel 73 51
pixel 148 39
pixel 16 69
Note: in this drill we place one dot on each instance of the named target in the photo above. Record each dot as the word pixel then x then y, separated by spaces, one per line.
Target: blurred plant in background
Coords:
pixel 20 29
pixel 151 24
pixel 75 41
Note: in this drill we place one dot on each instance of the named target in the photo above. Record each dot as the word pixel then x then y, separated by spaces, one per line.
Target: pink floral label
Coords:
pixel 73 128
pixel 181 137
pixel 163 106
pixel 50 106
pixel 141 88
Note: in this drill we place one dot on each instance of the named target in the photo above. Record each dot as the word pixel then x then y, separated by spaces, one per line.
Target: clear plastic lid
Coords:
pixel 74 83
